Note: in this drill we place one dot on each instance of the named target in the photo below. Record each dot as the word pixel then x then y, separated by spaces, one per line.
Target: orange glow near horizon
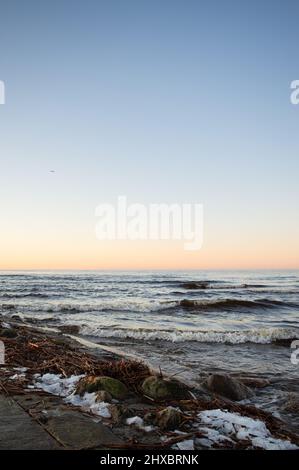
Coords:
pixel 77 254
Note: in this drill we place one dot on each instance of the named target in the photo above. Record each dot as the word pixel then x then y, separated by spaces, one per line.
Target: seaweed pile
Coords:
pixel 42 354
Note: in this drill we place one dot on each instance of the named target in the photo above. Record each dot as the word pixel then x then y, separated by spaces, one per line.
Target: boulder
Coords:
pixel 169 418
pixel 92 383
pixel 227 387
pixel 159 388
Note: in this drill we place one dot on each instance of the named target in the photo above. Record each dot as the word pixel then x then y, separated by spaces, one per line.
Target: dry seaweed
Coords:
pixel 46 355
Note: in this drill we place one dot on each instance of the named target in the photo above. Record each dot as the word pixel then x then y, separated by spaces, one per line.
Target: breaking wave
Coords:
pixel 231 304
pixel 257 336
pixel 126 305
pixel 148 305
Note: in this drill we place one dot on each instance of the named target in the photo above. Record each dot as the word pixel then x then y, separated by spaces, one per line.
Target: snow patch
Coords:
pixel 225 426
pixel 20 373
pixel 186 445
pixel 65 387
pixel 21 369
pixel 56 384
pixel 17 377
pixel 139 423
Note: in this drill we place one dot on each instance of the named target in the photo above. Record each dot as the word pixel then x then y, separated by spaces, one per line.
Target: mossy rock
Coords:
pixel 169 418
pixel 92 384
pixel 8 333
pixel 161 389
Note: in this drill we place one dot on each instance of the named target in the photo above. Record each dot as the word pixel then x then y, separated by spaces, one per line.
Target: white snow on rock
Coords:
pixel 216 426
pixel 186 445
pixel 65 387
pixel 20 373
pixel 56 384
pixel 223 426
pixel 139 423
pixel 17 377
pixel 88 403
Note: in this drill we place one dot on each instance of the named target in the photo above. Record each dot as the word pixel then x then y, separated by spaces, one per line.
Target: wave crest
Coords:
pixel 257 336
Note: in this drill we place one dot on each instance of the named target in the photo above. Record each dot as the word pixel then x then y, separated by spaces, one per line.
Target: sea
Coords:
pixel 188 323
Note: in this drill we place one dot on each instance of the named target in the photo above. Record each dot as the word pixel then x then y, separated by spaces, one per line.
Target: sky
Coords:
pixel 162 101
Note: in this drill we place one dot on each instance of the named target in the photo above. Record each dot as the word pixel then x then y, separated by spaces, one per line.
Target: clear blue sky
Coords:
pixel 163 101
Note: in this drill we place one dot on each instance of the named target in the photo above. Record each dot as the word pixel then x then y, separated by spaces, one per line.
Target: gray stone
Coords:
pixel 18 431
pixel 227 387
pixel 77 431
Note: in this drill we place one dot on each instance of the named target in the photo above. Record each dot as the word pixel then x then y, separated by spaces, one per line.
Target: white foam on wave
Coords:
pixel 259 336
pixel 119 304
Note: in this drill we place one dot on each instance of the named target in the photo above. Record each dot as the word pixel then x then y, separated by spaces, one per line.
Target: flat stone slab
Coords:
pixel 77 431
pixel 18 431
pixel 72 428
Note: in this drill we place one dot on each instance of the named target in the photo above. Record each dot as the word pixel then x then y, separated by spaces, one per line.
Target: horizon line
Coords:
pixel 144 269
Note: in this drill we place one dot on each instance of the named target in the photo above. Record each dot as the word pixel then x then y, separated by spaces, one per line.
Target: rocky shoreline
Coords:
pixel 57 394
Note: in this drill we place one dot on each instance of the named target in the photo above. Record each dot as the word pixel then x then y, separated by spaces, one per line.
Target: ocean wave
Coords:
pixel 257 336
pixel 231 304
pixel 122 304
pixel 147 305
pixel 7 307
pixel 15 295
pixel 197 285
